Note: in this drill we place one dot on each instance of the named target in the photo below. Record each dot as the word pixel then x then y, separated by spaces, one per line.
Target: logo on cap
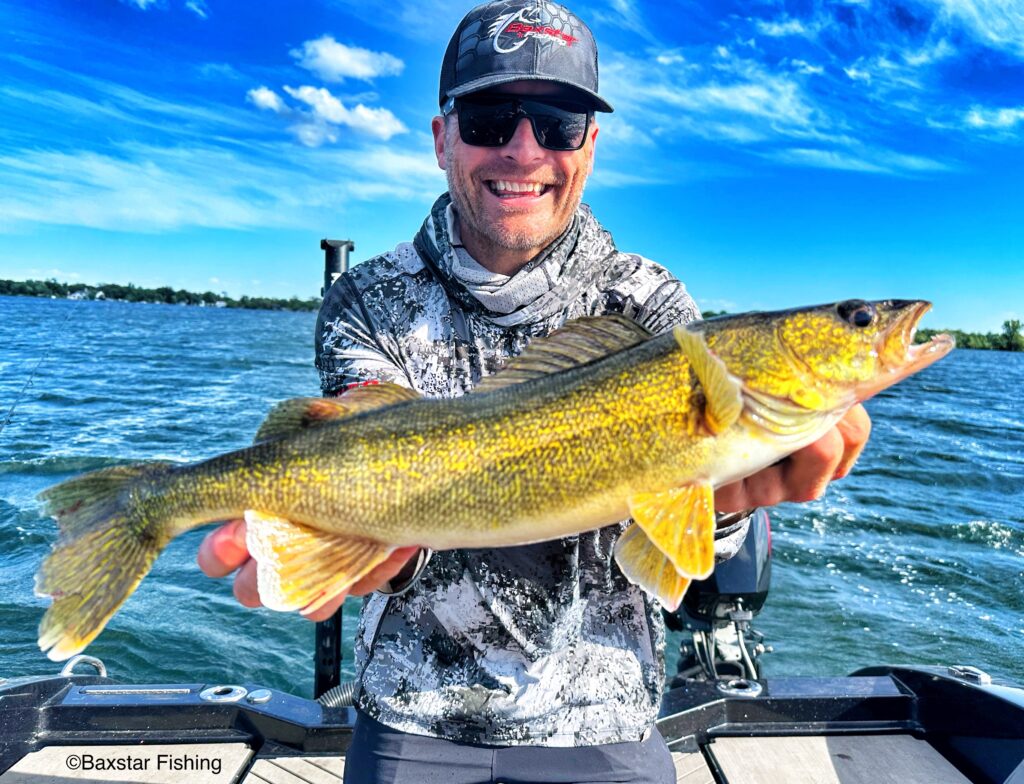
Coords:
pixel 511 31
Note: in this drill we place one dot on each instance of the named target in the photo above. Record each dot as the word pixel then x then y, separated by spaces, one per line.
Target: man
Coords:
pixel 542 662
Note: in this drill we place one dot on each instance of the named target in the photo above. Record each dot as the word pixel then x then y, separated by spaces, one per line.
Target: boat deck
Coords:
pixel 841 759
pixel 906 725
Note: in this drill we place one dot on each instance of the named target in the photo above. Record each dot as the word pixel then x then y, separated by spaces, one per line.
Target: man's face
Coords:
pixel 495 189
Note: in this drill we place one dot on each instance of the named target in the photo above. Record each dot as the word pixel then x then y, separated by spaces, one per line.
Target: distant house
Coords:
pixel 78 295
pixel 220 304
pixel 100 295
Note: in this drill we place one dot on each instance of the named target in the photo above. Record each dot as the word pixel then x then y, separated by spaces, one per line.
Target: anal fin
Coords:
pixel 302 568
pixel 645 565
pixel 681 523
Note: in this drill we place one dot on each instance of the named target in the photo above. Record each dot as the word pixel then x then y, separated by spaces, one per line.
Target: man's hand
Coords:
pixel 223 550
pixel 804 475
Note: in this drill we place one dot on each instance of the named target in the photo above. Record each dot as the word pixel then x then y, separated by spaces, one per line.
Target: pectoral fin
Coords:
pixel 722 391
pixel 645 565
pixel 681 523
pixel 302 567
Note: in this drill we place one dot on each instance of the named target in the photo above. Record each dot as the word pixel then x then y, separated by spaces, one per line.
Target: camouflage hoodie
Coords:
pixel 544 644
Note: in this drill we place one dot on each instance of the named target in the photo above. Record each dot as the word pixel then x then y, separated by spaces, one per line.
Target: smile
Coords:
pixel 507 188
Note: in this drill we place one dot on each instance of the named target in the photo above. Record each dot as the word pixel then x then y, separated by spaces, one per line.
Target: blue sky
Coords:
pixel 771 154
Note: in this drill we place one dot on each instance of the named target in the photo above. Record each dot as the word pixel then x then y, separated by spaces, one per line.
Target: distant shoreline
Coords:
pixel 115 292
pixel 1010 339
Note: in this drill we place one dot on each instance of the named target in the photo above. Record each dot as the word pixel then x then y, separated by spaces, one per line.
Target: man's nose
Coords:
pixel 523 146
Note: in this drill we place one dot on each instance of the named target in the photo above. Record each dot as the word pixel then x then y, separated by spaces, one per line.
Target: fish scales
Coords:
pixel 495 466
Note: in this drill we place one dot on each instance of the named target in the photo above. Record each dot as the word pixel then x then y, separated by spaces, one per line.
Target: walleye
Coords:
pixel 597 423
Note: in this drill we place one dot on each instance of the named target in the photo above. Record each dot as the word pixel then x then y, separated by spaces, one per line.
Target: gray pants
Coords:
pixel 381 755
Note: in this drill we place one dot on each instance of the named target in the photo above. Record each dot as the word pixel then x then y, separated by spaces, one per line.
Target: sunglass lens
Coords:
pixel 559 130
pixel 487 125
pixel 493 123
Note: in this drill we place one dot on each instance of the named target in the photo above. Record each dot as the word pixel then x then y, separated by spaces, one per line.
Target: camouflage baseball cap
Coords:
pixel 512 40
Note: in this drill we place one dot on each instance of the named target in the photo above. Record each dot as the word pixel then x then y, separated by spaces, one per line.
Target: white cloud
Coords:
pixel 379 123
pixel 772 99
pixel 606 177
pixel 804 67
pixel 739 100
pixel 219 71
pixel 1000 119
pixel 857 75
pixel 405 18
pixel 314 133
pixel 616 131
pixel 102 102
pixel 141 4
pixel 781 28
pixel 198 7
pixel 670 58
pixel 996 23
pixel 861 159
pixel 155 189
pixel 927 55
pixel 626 16
pixel 334 62
pixel 265 98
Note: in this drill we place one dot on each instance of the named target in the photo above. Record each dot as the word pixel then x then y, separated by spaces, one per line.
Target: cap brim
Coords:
pixel 593 100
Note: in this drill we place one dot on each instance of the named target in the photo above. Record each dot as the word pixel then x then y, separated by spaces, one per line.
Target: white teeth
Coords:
pixel 504 186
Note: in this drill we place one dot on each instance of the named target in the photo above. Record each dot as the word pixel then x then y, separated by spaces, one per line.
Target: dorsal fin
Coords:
pixel 292 416
pixel 577 343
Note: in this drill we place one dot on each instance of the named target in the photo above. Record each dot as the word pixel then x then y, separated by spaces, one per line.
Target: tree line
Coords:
pixel 164 294
pixel 1010 339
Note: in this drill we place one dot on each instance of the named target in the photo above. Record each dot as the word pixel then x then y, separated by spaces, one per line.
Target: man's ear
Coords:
pixel 591 143
pixel 437 126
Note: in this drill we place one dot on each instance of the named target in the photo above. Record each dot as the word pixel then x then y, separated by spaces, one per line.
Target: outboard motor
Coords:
pixel 716 613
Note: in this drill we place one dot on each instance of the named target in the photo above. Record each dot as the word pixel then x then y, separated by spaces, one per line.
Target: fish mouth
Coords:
pixel 899 355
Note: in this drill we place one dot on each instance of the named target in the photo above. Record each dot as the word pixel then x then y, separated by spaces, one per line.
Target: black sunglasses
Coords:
pixel 491 121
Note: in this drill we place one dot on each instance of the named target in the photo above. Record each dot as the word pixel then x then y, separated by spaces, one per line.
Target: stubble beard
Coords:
pixel 498 234
pixel 516 238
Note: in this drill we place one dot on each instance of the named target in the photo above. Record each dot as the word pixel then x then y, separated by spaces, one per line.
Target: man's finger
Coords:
pixel 383 572
pixel 246 590
pixel 223 550
pixel 854 428
pixel 325 612
pixel 380 575
pixel 808 471
pixel 761 489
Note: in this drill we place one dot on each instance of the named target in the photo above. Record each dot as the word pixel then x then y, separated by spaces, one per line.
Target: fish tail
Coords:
pixel 104 550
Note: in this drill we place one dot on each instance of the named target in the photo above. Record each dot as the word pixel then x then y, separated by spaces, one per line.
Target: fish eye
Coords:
pixel 857 312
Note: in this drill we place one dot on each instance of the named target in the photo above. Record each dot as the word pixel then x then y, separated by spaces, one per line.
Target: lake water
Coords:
pixel 917 557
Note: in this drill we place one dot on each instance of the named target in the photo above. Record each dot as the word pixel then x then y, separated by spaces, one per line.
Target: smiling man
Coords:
pixel 539 663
